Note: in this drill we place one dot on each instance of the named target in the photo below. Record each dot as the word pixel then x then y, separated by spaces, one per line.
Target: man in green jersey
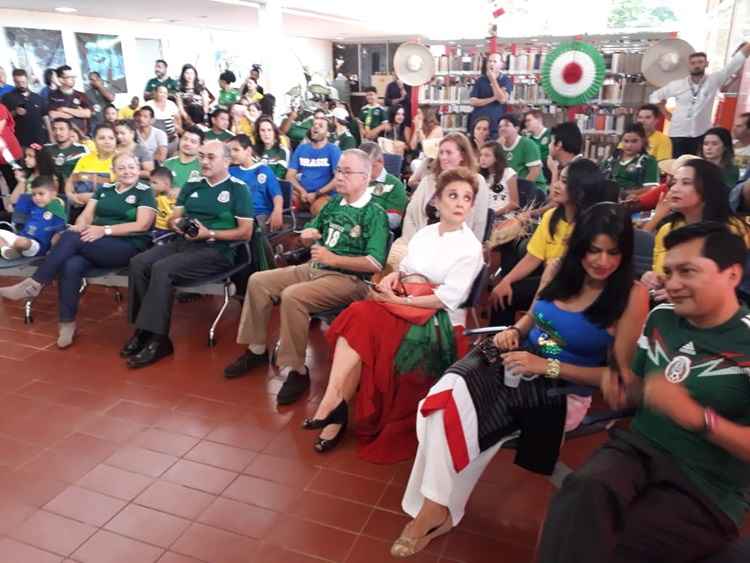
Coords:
pixel 161 79
pixel 219 130
pixel 386 189
pixel 185 166
pixel 63 152
pixel 221 208
pixel 521 154
pixel 675 486
pixel 533 123
pixel 344 138
pixel 348 239
pixel 373 117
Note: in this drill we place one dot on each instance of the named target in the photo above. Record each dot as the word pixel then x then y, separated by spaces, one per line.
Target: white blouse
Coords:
pixel 451 261
pixel 500 199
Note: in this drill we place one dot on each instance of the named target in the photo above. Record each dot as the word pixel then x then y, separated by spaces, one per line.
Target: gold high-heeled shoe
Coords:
pixel 406 547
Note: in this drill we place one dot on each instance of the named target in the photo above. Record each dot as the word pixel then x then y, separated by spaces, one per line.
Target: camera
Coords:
pixel 188 226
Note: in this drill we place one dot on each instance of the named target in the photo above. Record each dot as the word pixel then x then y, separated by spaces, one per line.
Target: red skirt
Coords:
pixel 385 407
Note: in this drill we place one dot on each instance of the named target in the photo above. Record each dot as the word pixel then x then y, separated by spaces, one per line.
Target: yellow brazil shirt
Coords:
pixel 164 207
pixel 660 146
pixel 88 166
pixel 546 247
pixel 737 226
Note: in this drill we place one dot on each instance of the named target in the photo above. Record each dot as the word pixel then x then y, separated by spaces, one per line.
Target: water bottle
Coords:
pixel 512 378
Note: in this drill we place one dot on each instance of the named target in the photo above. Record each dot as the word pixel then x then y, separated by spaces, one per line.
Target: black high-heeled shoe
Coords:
pixel 340 415
pixel 318 423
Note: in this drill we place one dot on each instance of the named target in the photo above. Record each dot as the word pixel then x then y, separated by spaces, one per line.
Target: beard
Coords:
pixel 697 72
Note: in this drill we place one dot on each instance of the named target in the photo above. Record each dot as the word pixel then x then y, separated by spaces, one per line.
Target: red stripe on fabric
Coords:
pixel 454 431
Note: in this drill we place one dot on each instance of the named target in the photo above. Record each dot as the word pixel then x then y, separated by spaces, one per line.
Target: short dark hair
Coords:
pixel 243 140
pixel 510 118
pixel 218 111
pixel 228 76
pixel 162 61
pixel 195 130
pixel 59 70
pixel 720 245
pixel 102 126
pixel 108 106
pixel 569 136
pixel 48 72
pixel 370 89
pixel 19 72
pixel 148 109
pixel 653 108
pixel 195 113
pixel 93 72
pixel 698 54
pixel 62 120
pixel 162 172
pixel 47 182
pixel 535 112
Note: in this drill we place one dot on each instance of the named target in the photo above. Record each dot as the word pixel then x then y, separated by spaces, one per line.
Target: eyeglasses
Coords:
pixel 348 173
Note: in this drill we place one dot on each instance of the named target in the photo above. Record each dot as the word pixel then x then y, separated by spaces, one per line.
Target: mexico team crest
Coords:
pixel 678 369
pixel 223 197
pixel 130 199
pixel 356 231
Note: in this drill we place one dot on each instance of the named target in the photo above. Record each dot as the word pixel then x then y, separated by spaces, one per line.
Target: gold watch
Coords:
pixel 553 368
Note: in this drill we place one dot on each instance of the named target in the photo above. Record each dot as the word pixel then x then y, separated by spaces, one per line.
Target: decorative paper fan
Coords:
pixel 573 73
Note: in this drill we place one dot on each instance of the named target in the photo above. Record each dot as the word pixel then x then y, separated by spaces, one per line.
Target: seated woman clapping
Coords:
pixel 589 309
pixel 110 230
pixel 394 361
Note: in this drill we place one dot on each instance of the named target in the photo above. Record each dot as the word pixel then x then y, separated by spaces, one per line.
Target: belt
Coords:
pixel 318 266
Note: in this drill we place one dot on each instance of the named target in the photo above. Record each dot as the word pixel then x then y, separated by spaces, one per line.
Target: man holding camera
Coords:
pixel 211 212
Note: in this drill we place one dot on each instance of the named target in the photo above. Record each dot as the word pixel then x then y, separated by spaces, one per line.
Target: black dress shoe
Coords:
pixel 294 387
pixel 244 364
pixel 135 343
pixel 339 415
pixel 316 423
pixel 157 348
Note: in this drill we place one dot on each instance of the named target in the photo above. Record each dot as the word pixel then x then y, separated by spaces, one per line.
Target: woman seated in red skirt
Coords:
pixel 394 345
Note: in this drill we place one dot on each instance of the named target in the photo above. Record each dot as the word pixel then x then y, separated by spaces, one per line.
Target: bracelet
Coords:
pixel 514 327
pixel 710 419
pixel 553 368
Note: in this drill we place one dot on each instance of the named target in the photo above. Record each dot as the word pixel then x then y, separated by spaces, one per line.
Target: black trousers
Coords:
pixel 523 296
pixel 154 274
pixel 630 503
pixel 686 145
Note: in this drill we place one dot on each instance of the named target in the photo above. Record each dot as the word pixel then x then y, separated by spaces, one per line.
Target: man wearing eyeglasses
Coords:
pixel 349 239
pixel 69 103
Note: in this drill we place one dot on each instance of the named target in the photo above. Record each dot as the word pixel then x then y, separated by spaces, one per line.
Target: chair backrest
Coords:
pixel 393 163
pixel 489 225
pixel 529 194
pixel 480 282
pixel 643 252
pixel 286 193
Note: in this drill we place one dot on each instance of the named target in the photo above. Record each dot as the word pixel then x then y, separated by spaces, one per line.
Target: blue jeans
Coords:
pixel 71 259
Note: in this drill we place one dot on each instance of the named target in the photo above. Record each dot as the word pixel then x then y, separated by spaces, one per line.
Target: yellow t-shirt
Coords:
pixel 737 226
pixel 164 207
pixel 88 166
pixel 125 112
pixel 546 247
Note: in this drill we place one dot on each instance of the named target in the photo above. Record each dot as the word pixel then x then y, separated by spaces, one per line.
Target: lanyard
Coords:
pixel 696 91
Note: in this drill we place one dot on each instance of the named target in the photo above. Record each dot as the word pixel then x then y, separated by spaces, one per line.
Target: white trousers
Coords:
pixel 433 476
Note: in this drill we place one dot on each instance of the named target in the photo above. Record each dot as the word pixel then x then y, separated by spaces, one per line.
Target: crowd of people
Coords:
pixel 171 189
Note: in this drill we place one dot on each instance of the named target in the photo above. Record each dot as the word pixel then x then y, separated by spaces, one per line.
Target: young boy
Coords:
pixel 373 117
pixel 45 216
pixel 165 194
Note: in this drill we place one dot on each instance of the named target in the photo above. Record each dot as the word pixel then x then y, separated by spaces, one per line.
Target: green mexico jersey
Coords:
pixel 299 129
pixel 357 229
pixel 714 366
pixel 115 207
pixel 542 142
pixel 228 97
pixel 170 83
pixel 641 170
pixel 183 172
pixel 346 141
pixel 222 136
pixel 373 116
pixel 521 156
pixel 277 158
pixel 219 206
pixel 64 159
pixel 389 192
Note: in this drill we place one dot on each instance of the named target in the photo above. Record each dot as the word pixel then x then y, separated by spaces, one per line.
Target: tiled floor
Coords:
pixel 99 464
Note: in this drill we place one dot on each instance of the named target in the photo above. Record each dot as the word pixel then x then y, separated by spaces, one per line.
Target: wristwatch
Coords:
pixel 108 231
pixel 211 236
pixel 553 368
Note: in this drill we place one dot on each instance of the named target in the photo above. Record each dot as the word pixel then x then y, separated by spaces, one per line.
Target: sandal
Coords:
pixel 406 547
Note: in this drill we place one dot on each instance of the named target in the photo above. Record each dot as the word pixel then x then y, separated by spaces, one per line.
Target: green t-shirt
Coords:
pixel 731 175
pixel 713 365
pixel 389 192
pixel 182 173
pixel 170 83
pixel 115 208
pixel 373 116
pixel 357 229
pixel 523 155
pixel 64 159
pixel 542 142
pixel 222 136
pixel 277 158
pixel 228 97
pixel 346 141
pixel 641 170
pixel 218 207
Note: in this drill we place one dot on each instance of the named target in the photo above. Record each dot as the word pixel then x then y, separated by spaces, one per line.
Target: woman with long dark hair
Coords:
pixel 591 311
pixel 192 91
pixel 397 130
pixel 270 148
pixel 717 148
pixel 501 178
pixel 631 167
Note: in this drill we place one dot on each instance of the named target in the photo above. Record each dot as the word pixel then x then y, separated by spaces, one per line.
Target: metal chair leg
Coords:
pixel 212 330
pixel 27 316
pixel 84 285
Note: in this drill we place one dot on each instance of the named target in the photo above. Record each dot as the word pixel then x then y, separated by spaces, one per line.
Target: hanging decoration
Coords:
pixel 573 73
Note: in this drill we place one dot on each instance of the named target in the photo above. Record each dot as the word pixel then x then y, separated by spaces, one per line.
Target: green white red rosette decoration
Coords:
pixel 573 73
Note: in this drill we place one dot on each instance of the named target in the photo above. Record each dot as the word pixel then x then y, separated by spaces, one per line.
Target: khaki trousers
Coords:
pixel 303 290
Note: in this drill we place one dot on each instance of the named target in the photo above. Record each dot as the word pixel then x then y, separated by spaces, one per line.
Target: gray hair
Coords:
pixel 363 157
pixel 226 152
pixel 372 149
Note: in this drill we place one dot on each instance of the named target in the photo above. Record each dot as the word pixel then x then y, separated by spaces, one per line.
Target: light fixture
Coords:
pixel 65 9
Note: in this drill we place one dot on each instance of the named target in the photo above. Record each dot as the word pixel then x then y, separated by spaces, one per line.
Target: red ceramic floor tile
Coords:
pixel 13 551
pixel 164 442
pixel 270 553
pixel 262 493
pixel 86 506
pixel 175 499
pixel 241 435
pixel 312 539
pixel 473 548
pixel 282 470
pixel 112 429
pixel 240 518
pixel 14 453
pixel 114 482
pixel 219 455
pixel 369 550
pixel 200 476
pixel 190 425
pixel 345 460
pixel 135 412
pixel 348 486
pixel 148 525
pixel 331 511
pixel 53 533
pixel 391 499
pixel 28 338
pixel 13 512
pixel 35 489
pixel 15 351
pixel 172 557
pixel 215 546
pixel 218 410
pixel 68 468
pixel 106 547
pixel 141 461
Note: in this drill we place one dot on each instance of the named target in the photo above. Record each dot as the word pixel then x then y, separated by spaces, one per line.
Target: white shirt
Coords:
pixel 169 112
pixel 499 200
pixel 153 142
pixel 451 261
pixel 741 151
pixel 692 116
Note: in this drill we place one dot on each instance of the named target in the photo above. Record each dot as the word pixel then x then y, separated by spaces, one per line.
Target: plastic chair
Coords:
pixel 393 164
pixel 643 252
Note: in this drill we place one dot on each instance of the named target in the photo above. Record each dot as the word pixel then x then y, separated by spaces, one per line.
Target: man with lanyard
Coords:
pixel 373 117
pixel 675 486
pixel 536 131
pixel 312 167
pixel 222 210
pixel 161 79
pixel 69 103
pixel 185 165
pixel 28 109
pixel 63 152
pixel 490 94
pixel 349 240
pixel 695 100
pixel 386 190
